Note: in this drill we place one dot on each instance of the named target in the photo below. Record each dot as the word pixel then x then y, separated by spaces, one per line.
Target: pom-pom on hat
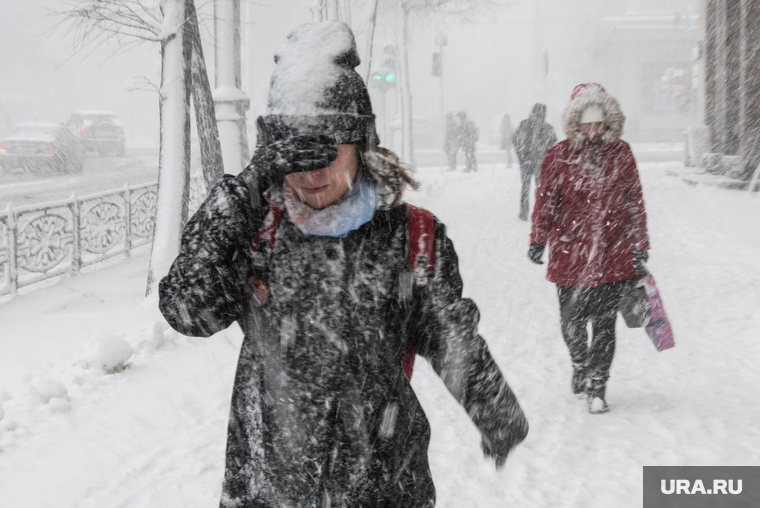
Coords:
pixel 315 89
pixel 586 88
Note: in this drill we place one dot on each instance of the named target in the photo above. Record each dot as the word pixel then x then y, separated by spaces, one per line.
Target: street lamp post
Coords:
pixel 441 40
pixel 230 102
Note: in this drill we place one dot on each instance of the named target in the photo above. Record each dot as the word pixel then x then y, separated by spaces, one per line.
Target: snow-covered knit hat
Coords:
pixel 583 97
pixel 315 89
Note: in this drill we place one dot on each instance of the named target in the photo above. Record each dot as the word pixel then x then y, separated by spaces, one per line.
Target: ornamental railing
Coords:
pixel 39 242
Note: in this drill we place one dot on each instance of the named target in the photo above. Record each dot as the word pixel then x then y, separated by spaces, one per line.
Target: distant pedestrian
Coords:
pixel 505 141
pixel 590 210
pixel 531 140
pixel 468 137
pixel 451 141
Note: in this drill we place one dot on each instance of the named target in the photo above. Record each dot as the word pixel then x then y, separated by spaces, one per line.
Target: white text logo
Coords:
pixel 685 487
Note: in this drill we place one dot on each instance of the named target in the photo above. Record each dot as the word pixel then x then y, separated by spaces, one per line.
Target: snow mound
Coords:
pixel 107 351
pixel 48 388
pixel 155 336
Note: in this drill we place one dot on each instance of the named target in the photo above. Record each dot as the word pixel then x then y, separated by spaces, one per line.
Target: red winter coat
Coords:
pixel 589 206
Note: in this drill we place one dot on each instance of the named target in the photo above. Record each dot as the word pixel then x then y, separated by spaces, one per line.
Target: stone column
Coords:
pixel 710 56
pixel 749 118
pixel 733 34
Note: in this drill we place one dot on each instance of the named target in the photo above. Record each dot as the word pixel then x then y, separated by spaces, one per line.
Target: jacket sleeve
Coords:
pixel 519 141
pixel 204 291
pixel 548 194
pixel 447 336
pixel 634 199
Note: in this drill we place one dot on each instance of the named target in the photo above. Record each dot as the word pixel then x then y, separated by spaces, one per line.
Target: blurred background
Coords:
pixel 498 57
pixel 680 68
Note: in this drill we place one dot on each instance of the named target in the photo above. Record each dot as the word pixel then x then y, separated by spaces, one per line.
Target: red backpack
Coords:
pixel 421 251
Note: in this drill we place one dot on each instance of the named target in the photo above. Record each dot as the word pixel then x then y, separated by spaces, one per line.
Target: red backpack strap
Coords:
pixel 262 245
pixel 420 229
pixel 268 229
pixel 421 249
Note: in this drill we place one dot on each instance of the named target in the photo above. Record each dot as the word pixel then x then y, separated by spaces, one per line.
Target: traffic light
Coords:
pixel 389 56
pixel 385 76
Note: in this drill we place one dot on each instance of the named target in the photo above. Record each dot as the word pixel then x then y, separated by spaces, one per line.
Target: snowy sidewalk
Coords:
pixel 153 434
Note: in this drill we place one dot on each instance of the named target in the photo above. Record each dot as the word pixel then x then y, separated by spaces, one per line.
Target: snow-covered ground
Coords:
pixel 76 434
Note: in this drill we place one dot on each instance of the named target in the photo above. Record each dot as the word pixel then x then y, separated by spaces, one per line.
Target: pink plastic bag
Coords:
pixel 658 329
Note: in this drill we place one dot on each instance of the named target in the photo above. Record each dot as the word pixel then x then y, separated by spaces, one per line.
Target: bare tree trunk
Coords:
pixel 371 41
pixel 317 10
pixel 174 151
pixel 407 150
pixel 205 115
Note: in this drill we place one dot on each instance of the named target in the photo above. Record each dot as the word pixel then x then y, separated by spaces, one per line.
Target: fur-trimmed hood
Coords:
pixel 585 95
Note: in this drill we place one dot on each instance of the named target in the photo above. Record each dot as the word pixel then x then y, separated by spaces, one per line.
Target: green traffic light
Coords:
pixel 390 77
pixel 377 77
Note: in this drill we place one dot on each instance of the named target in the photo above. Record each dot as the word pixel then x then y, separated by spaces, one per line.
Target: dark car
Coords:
pixel 41 146
pixel 100 131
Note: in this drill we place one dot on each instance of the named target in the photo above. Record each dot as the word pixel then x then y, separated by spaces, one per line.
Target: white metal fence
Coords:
pixel 38 242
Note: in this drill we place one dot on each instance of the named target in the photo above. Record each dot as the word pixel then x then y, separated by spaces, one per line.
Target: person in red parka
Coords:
pixel 590 211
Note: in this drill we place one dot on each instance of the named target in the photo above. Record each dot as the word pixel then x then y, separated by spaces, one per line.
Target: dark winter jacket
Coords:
pixel 589 204
pixel 322 413
pixel 533 137
pixel 468 134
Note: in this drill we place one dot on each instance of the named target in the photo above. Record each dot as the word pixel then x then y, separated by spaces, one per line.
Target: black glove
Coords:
pixel 489 451
pixel 639 258
pixel 275 159
pixel 535 252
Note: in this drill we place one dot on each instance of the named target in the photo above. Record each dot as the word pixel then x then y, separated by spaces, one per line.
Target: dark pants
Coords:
pixel 528 170
pixel 578 306
pixel 452 157
pixel 469 155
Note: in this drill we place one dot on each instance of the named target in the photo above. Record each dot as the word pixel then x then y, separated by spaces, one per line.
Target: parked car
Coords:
pixel 100 131
pixel 39 146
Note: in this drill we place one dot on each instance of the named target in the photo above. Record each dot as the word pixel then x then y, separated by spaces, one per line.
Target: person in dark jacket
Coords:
pixel 451 141
pixel 307 250
pixel 506 131
pixel 532 138
pixel 468 135
pixel 590 211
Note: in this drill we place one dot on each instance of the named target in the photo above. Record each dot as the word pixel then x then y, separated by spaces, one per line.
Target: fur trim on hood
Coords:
pixel 586 95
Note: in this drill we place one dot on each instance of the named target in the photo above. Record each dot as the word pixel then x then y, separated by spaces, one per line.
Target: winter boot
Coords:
pixel 595 392
pixel 580 381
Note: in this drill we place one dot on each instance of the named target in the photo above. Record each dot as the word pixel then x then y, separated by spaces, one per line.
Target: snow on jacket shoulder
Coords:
pixel 322 413
pixel 590 211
